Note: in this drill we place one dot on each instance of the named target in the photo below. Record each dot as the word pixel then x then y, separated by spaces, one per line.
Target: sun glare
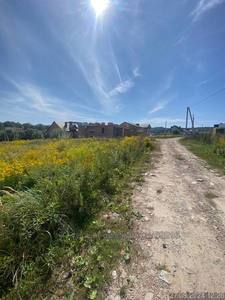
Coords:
pixel 100 6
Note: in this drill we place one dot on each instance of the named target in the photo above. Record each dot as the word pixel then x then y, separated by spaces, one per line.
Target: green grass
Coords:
pixel 57 227
pixel 206 152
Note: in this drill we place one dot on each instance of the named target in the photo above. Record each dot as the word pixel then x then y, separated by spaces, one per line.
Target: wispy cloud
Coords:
pixel 92 71
pixel 203 82
pixel 213 77
pixel 136 72
pixel 103 77
pixel 203 6
pixel 159 106
pixel 29 98
pixel 121 88
pixel 161 98
pixel 96 73
pixel 126 85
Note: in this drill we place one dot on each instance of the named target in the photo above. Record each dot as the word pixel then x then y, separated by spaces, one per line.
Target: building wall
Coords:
pixel 118 131
pixel 54 130
pixel 101 131
pixel 82 131
pixel 53 127
pixel 131 129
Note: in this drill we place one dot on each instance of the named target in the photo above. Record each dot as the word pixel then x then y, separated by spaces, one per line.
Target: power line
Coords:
pixel 209 96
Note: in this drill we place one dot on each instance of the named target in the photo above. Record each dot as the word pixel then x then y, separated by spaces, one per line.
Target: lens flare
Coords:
pixel 100 6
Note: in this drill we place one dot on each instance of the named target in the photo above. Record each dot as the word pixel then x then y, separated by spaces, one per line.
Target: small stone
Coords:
pixel 117 297
pixel 149 244
pixel 163 275
pixel 115 215
pixel 114 274
pixel 131 279
pixel 200 180
pixel 164 246
pixel 67 275
pixel 149 296
pixel 111 216
pixel 153 175
pixel 123 274
pixel 174 268
pixel 194 182
pixel 146 219
pixel 111 297
pixel 150 207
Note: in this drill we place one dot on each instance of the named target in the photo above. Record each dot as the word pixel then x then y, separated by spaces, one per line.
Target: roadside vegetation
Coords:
pixel 63 206
pixel 208 147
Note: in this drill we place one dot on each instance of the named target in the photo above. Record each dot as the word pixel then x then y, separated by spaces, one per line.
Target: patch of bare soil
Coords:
pixel 180 240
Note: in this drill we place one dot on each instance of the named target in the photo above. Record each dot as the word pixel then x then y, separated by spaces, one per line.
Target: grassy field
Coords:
pixel 60 202
pixel 211 150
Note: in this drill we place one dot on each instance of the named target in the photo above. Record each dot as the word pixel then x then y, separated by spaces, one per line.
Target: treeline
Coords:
pixel 10 131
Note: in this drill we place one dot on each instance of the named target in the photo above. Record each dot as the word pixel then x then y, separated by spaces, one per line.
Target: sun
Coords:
pixel 99 6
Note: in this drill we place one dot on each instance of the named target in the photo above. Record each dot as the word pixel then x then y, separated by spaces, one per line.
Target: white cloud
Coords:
pixel 161 97
pixel 203 6
pixel 204 82
pixel 124 86
pixel 99 67
pixel 136 72
pixel 32 99
pixel 121 88
pixel 94 71
pixel 159 106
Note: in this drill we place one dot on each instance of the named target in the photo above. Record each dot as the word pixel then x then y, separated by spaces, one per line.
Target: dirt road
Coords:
pixel 182 233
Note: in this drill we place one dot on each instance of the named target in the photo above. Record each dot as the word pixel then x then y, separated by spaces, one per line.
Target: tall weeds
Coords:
pixel 60 200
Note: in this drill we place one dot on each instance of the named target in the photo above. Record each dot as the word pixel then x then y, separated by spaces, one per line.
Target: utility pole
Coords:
pixel 165 127
pixel 192 118
pixel 187 118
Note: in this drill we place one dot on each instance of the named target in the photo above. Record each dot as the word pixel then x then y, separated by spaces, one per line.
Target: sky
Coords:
pixel 142 61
